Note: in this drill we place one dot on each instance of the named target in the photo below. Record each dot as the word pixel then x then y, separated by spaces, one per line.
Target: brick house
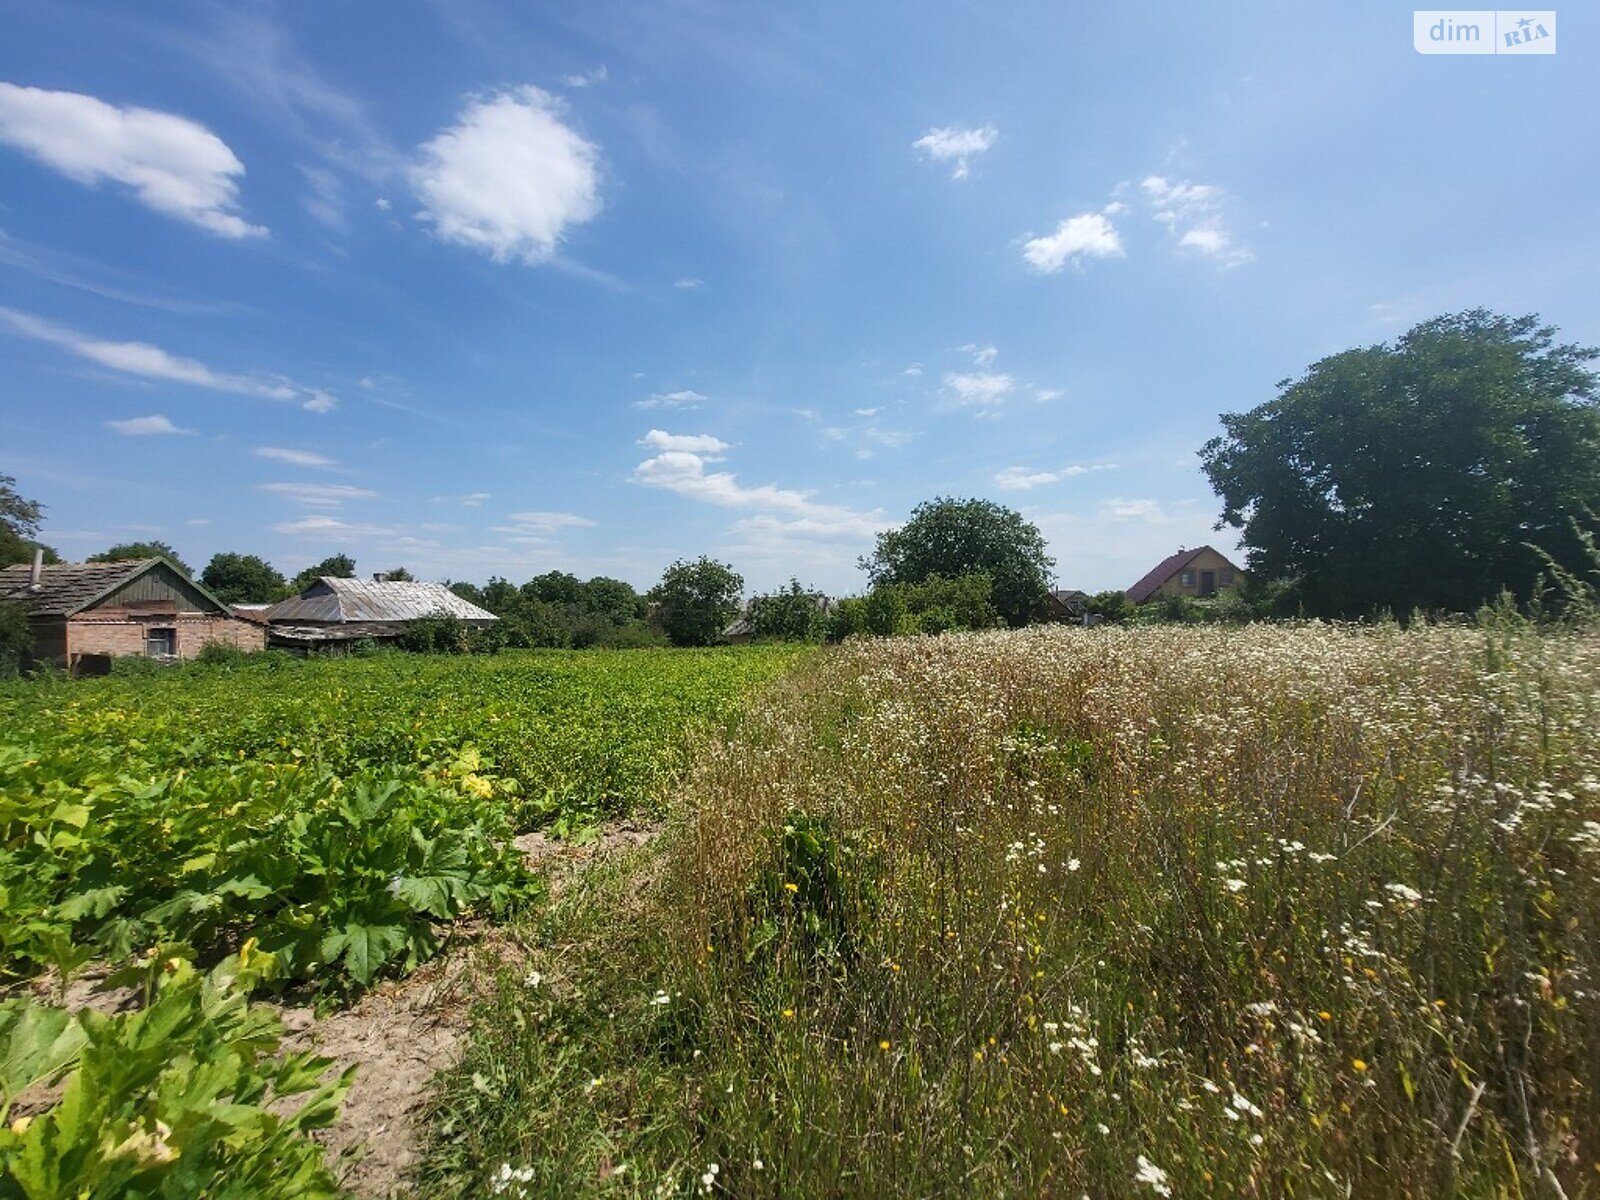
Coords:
pixel 1196 573
pixel 85 614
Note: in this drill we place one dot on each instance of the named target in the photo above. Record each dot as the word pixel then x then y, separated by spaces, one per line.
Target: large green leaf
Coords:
pixel 364 948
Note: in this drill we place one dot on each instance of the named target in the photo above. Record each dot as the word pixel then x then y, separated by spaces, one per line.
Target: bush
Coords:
pixel 16 639
pixel 439 633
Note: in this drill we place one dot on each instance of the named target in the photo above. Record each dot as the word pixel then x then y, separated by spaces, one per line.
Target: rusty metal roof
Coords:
pixel 334 601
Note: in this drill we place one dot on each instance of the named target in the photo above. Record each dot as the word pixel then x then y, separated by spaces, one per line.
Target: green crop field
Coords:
pixel 311 823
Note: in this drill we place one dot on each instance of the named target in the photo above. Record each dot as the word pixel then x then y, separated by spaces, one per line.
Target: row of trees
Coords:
pixel 1430 473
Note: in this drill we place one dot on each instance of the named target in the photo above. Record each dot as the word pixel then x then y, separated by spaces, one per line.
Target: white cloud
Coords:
pixel 865 412
pixel 538 528
pixel 688 284
pixel 1021 479
pixel 1191 213
pixel 588 78
pixel 509 178
pixel 694 443
pixel 145 426
pixel 914 370
pixel 1118 509
pixel 298 458
pixel 319 495
pixel 682 399
pixel 152 362
pixel 954 142
pixel 979 389
pixel 175 166
pixel 320 527
pixel 982 356
pixel 1044 394
pixel 1087 235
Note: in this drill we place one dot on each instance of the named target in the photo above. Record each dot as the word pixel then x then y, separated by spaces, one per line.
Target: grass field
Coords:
pixel 1268 911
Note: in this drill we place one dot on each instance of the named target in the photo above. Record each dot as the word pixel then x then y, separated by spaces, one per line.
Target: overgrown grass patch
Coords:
pixel 1283 911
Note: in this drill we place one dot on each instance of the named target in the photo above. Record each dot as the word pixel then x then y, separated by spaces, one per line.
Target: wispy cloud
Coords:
pixel 322 528
pixel 1087 235
pixel 1191 212
pixel 1022 479
pixel 688 283
pixel 978 389
pixel 319 495
pixel 175 166
pixel 509 178
pixel 982 356
pixel 680 399
pixel 587 78
pixel 150 426
pixel 537 528
pixel 297 458
pixel 151 362
pixel 470 500
pixel 956 144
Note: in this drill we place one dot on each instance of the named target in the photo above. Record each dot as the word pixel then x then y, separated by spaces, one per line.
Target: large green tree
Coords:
pixel 1417 474
pixel 19 525
pixel 951 538
pixel 243 579
pixel 696 600
pixel 338 566
pixel 123 551
pixel 790 614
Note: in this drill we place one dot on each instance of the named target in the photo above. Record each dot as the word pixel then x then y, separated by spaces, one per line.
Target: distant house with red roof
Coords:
pixel 1195 573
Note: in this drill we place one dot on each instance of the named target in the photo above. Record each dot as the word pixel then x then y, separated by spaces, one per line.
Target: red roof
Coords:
pixel 1165 570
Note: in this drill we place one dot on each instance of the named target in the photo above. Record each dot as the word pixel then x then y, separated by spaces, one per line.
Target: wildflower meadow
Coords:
pixel 1282 910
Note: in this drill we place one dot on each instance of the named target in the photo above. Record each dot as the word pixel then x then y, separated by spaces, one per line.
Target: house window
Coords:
pixel 1224 576
pixel 1187 579
pixel 161 643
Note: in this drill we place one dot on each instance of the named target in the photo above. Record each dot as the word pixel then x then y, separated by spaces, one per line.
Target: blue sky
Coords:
pixel 479 288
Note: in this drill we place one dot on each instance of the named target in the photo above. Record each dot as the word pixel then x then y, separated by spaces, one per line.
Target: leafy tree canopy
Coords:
pixel 696 600
pixel 790 614
pixel 19 525
pixel 399 575
pixel 243 579
pixel 952 538
pixel 123 551
pixel 339 566
pixel 1417 474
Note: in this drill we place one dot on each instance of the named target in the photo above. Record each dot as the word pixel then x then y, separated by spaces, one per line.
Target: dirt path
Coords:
pixel 403 1033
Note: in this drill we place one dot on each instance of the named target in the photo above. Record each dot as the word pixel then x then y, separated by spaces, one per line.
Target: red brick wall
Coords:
pixel 126 635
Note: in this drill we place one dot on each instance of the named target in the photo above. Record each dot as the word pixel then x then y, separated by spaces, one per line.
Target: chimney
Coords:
pixel 377 577
pixel 36 574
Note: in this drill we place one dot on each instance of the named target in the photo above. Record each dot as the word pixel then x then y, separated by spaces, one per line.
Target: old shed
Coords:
pixel 85 614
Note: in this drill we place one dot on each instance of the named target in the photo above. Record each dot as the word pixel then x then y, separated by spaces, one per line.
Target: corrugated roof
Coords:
pixel 334 601
pixel 65 588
